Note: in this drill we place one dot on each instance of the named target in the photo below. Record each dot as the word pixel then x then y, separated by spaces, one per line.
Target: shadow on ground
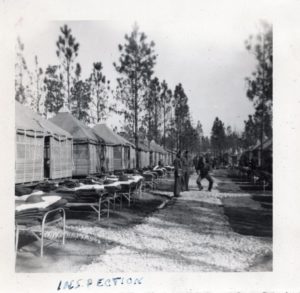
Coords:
pixel 252 212
pixel 246 220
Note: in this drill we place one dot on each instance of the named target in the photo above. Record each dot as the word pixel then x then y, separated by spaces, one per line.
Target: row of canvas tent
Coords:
pixel 63 147
pixel 261 154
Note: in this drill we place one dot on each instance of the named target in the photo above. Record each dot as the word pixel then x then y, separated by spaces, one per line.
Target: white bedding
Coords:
pixel 90 186
pixel 114 184
pixel 127 182
pixel 137 178
pixel 25 196
pixel 47 201
pixel 113 178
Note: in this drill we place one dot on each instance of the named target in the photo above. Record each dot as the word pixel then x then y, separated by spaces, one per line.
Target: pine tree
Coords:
pixel 190 137
pixel 100 87
pixel 38 73
pixel 199 130
pixel 205 144
pixel 147 119
pixel 67 51
pixel 233 140
pixel 80 96
pixel 251 132
pixel 260 84
pixel 54 98
pixel 20 66
pixel 165 100
pixel 154 95
pixel 23 77
pixel 218 138
pixel 136 63
pixel 181 109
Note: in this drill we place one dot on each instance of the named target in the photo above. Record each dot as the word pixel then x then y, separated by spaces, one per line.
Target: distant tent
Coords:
pixel 120 153
pixel 158 153
pixel 255 147
pixel 263 158
pixel 86 145
pixel 254 152
pixel 170 156
pixel 267 145
pixel 43 150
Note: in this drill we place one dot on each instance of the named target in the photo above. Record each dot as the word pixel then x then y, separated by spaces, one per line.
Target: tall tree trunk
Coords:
pixel 78 109
pixel 260 163
pixel 155 122
pixel 164 128
pixel 37 96
pixel 22 98
pixel 136 124
pixel 263 106
pixel 149 129
pixel 98 108
pixel 68 86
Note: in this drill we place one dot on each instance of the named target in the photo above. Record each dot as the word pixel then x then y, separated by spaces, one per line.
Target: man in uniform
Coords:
pixel 186 170
pixel 203 171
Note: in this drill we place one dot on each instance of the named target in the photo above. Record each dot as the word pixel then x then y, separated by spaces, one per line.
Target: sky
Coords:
pixel 207 56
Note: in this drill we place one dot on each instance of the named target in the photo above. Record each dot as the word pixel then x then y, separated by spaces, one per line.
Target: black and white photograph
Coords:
pixel 151 156
pixel 144 145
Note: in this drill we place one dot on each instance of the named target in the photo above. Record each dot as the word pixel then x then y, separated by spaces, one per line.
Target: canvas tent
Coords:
pixel 262 159
pixel 119 152
pixel 170 157
pixel 157 153
pixel 87 149
pixel 43 150
pixel 144 155
pixel 263 153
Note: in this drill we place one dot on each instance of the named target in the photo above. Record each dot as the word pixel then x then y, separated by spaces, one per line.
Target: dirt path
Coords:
pixel 199 231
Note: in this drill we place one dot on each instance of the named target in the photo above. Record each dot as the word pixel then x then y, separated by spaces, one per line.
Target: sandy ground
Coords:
pixel 227 229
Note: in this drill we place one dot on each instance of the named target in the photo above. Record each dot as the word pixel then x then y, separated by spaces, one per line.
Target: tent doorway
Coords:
pixel 118 164
pixel 127 157
pixel 47 157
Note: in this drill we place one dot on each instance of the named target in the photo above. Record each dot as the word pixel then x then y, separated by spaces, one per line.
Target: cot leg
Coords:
pixel 99 209
pixel 17 238
pixel 129 194
pixel 108 202
pixel 64 227
pixel 42 240
pixel 121 199
pixel 140 191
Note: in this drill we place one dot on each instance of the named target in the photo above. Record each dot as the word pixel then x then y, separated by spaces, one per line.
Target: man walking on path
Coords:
pixel 186 170
pixel 195 161
pixel 203 171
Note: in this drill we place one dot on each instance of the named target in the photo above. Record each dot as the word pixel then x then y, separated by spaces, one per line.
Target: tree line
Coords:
pixel 151 110
pixel 259 90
